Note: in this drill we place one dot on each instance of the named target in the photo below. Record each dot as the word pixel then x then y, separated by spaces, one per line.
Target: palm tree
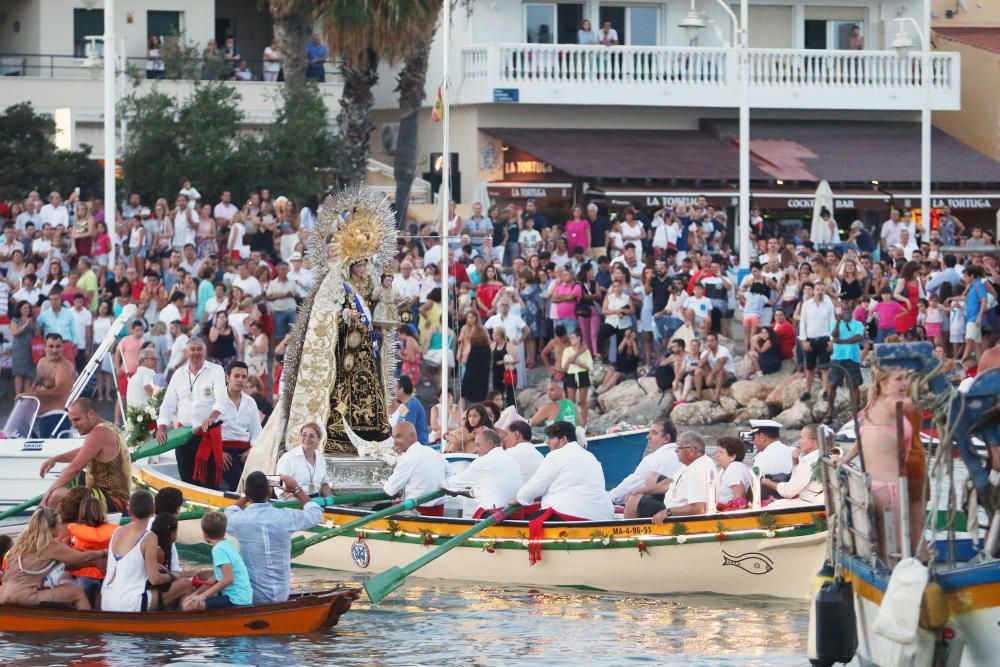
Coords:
pixel 292 26
pixel 363 33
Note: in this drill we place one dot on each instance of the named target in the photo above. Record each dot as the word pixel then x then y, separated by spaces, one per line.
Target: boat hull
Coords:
pixel 306 613
pixel 20 460
pixel 746 553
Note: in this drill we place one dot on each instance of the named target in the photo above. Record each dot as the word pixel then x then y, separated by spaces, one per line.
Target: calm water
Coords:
pixel 430 623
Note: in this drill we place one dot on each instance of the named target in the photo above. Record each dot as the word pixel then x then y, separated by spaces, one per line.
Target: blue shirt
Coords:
pixel 63 324
pixel 977 292
pixel 949 275
pixel 413 412
pixel 847 351
pixel 265 535
pixel 316 51
pixel 481 226
pixel 239 592
pixel 682 238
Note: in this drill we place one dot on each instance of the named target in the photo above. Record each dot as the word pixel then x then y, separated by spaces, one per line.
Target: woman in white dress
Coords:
pixel 307 464
pixel 734 479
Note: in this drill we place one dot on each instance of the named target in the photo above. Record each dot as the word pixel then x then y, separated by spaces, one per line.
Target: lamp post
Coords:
pixel 902 43
pixel 692 22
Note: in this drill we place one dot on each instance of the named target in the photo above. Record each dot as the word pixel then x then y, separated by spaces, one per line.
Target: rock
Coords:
pixel 745 391
pixel 700 413
pixel 623 394
pixel 793 389
pixel 649 384
pixel 598 373
pixel 795 417
pixel 787 371
pixel 755 409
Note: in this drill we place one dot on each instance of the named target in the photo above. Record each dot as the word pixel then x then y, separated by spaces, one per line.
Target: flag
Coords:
pixel 437 112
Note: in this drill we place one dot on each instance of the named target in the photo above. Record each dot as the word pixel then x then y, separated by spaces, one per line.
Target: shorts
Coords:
pixel 568 323
pixel 973 332
pixel 219 601
pixel 649 505
pixel 579 380
pixel 845 368
pixel 933 329
pixel 751 320
pixel 882 334
pixel 818 355
pixel 956 335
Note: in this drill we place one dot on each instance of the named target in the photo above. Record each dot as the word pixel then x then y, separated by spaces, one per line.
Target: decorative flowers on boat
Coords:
pixel 140 420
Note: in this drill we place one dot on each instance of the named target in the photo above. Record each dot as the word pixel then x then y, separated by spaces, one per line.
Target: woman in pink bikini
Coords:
pixel 885 457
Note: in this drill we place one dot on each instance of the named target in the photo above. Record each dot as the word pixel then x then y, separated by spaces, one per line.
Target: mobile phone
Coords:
pixel 274 480
pixel 76 191
pixel 746 436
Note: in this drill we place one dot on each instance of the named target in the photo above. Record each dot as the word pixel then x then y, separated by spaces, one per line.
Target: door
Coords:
pixel 569 16
pixel 616 15
pixel 815 34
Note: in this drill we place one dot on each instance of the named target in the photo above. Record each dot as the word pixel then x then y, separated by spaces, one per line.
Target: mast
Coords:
pixel 445 198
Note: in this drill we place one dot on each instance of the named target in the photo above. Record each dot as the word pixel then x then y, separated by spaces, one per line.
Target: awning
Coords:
pixel 631 154
pixel 657 197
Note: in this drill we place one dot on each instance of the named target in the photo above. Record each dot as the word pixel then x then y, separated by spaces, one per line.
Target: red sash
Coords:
pixel 236 444
pixel 519 515
pixel 536 529
pixel 433 510
pixel 209 447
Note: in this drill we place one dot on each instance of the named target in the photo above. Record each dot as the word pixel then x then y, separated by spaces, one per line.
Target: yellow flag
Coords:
pixel 437 112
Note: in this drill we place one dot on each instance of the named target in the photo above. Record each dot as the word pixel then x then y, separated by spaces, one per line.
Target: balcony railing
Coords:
pixel 706 77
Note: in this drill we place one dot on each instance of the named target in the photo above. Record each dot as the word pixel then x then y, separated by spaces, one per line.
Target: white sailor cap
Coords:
pixel 757 425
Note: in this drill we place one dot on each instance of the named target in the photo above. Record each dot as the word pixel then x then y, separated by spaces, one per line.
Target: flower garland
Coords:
pixel 140 420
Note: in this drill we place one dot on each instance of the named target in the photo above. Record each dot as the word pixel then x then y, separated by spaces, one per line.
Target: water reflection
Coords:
pixel 431 623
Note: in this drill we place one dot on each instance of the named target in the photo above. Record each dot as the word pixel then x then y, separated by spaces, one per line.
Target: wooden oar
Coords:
pixel 175 439
pixel 382 584
pixel 325 501
pixel 300 544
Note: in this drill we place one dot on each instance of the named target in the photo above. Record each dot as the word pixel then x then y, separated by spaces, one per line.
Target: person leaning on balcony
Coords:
pixel 154 60
pixel 272 61
pixel 316 55
pixel 607 36
pixel 586 34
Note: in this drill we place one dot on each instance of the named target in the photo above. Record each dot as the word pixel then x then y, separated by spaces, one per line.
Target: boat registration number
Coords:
pixel 32 445
pixel 632 530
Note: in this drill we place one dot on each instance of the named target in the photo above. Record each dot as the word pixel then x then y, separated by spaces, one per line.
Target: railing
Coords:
pixel 52 65
pixel 567 73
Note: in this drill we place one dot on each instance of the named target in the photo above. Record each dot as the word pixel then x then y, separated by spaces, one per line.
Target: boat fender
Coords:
pixel 899 614
pixel 835 629
pixel 933 607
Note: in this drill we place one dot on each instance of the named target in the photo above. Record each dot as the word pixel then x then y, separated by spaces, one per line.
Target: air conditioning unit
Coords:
pixel 390 137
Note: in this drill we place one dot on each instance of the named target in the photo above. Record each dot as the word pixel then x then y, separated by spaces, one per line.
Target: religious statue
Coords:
pixel 341 359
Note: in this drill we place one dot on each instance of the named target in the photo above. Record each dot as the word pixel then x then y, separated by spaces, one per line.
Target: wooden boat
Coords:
pixel 300 614
pixel 753 552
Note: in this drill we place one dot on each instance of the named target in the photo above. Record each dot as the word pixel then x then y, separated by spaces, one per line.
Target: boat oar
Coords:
pixel 382 584
pixel 325 501
pixel 300 544
pixel 175 439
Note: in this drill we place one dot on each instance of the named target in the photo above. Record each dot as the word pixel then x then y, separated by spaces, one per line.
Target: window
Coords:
pixel 833 27
pixel 552 23
pixel 87 22
pixel 539 20
pixel 163 24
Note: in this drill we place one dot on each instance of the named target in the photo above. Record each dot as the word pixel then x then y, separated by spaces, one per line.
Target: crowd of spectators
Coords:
pixel 656 293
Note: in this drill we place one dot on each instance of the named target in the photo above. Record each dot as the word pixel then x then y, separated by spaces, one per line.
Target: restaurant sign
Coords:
pixel 528 191
pixel 810 202
pixel 520 165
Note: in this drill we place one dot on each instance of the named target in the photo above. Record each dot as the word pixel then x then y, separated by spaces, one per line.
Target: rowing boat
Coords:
pixel 300 614
pixel 752 552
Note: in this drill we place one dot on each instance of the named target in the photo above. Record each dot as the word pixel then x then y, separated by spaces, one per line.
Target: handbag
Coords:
pixel 584 308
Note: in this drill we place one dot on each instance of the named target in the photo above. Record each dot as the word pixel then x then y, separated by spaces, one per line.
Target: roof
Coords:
pixel 987 39
pixel 856 151
pixel 633 154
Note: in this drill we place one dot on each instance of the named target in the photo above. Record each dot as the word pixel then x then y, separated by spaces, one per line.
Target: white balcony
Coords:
pixel 704 77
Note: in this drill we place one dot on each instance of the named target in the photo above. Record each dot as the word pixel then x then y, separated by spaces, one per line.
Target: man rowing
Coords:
pixel 419 470
pixel 494 476
pixel 661 461
pixel 104 456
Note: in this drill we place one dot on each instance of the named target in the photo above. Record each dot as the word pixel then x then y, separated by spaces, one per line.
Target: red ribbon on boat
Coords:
pixel 536 528
pixel 209 447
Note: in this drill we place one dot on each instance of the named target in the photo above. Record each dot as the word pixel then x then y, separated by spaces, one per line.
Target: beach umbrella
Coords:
pixel 819 233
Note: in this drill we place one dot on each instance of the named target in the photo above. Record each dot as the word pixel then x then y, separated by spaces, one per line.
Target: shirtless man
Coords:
pixel 555 347
pixel 53 382
pixel 104 455
pixel 559 408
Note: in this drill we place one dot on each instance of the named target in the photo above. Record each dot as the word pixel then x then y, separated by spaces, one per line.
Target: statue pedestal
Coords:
pixel 350 474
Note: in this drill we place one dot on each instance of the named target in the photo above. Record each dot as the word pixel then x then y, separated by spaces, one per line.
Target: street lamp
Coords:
pixel 902 44
pixel 692 22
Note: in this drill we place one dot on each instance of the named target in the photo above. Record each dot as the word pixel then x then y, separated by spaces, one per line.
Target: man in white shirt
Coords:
pixel 517 443
pixel 607 36
pixel 419 470
pixel 698 310
pixel 494 476
pixel 773 458
pixel 802 485
pixel 248 282
pixel 29 291
pixel 240 425
pixel 890 230
pixel 190 261
pixel 716 369
pixel 55 213
pixel 225 209
pixel 684 494
pixel 300 276
pixel 180 338
pixel 281 297
pixel 433 253
pixel 84 320
pixel 195 390
pixel 570 481
pixel 516 330
pixel 661 461
pixel 140 385
pixel 818 318
pixel 172 311
pixel 404 283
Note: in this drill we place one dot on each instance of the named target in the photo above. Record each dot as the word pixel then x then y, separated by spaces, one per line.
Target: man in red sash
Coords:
pixel 570 482
pixel 240 427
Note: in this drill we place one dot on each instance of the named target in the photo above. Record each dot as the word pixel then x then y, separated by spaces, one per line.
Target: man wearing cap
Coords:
pixel 300 276
pixel 662 460
pixel 494 476
pixel 773 458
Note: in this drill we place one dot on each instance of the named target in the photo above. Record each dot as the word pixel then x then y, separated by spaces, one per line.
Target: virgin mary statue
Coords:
pixel 340 361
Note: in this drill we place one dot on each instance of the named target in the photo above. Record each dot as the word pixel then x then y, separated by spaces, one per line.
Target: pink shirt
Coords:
pixel 576 235
pixel 566 310
pixel 887 312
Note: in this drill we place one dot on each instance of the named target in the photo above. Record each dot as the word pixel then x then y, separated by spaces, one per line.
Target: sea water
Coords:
pixel 443 623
